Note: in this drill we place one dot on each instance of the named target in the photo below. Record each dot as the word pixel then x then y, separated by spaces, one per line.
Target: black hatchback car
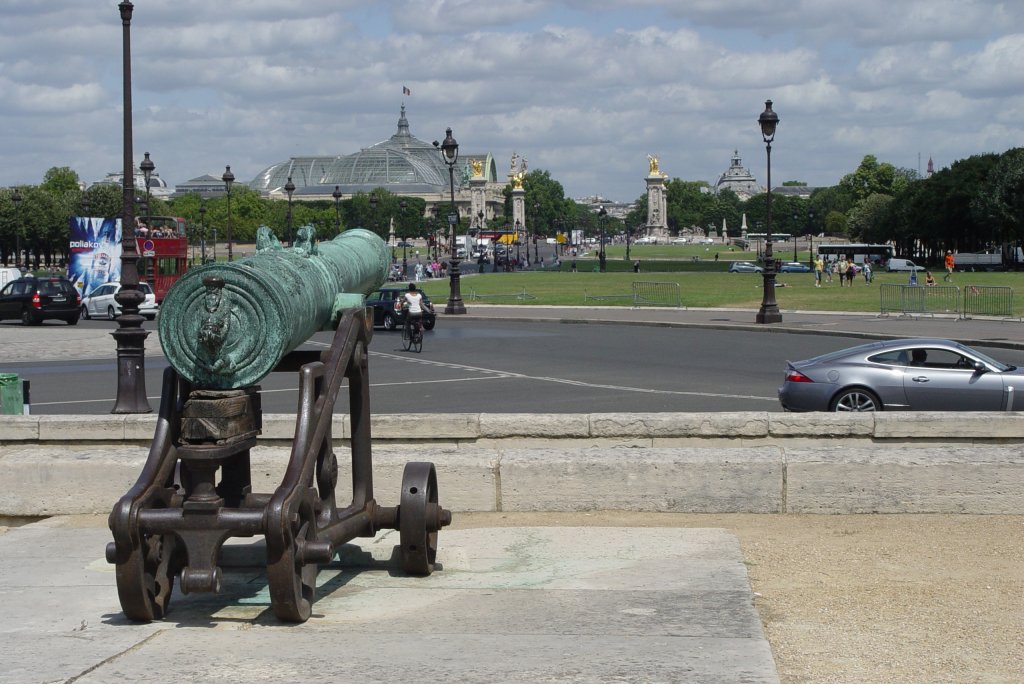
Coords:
pixel 35 300
pixel 387 308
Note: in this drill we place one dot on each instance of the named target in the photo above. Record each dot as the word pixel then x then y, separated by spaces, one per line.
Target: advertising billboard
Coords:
pixel 95 253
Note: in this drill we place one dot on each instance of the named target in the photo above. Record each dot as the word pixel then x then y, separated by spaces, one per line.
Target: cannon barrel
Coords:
pixel 227 325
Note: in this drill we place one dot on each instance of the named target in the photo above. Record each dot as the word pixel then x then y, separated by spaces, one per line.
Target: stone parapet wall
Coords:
pixel 680 462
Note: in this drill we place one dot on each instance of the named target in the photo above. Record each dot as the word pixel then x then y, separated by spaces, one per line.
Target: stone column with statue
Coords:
pixel 657 204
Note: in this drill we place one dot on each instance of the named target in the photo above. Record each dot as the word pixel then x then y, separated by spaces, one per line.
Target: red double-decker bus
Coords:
pixel 163 251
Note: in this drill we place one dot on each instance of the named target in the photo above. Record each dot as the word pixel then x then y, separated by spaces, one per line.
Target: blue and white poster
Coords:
pixel 95 253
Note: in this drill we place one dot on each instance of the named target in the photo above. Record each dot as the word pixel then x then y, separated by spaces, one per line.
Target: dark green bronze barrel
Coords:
pixel 226 325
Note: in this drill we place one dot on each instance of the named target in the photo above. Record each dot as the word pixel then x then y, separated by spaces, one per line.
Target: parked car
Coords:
pixel 744 267
pixel 902 265
pixel 35 300
pixel 645 241
pixel 680 241
pixel 102 304
pixel 794 267
pixel 902 375
pixel 387 308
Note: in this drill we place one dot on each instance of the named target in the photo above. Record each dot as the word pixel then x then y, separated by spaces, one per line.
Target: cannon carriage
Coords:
pixel 223 329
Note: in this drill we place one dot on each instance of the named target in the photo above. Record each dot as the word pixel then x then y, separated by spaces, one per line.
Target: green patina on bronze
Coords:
pixel 226 325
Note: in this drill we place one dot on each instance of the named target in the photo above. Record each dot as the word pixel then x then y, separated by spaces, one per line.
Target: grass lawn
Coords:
pixel 728 290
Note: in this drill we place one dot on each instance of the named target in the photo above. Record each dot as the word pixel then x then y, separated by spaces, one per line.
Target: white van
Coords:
pixel 8 274
pixel 902 265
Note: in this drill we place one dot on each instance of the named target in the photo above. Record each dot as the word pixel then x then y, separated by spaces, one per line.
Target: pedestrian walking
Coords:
pixel 842 268
pixel 819 267
pixel 950 263
pixel 867 273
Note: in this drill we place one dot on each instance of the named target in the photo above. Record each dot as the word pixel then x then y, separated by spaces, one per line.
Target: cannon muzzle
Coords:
pixel 227 325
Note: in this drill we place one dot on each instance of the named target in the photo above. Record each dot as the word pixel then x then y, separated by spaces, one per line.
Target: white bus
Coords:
pixel 858 251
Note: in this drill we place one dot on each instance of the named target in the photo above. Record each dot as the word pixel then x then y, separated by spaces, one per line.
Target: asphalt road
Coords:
pixel 496 366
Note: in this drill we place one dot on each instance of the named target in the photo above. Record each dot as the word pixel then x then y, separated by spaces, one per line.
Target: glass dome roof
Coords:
pixel 402 164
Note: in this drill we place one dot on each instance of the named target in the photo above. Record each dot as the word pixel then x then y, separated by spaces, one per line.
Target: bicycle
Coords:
pixel 412 335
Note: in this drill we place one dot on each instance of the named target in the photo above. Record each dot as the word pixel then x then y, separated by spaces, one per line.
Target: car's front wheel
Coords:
pixel 84 312
pixel 389 321
pixel 111 314
pixel 856 399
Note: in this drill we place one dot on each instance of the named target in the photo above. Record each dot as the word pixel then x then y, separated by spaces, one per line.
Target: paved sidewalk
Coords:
pixel 509 604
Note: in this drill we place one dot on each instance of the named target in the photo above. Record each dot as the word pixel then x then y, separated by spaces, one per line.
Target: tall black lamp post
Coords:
pixel 629 231
pixel 601 261
pixel 795 219
pixel 519 227
pixel 289 188
pixel 450 154
pixel 129 336
pixel 405 238
pixel 769 311
pixel 16 198
pixel 202 225
pixel 810 236
pixel 229 179
pixel 337 206
pixel 147 167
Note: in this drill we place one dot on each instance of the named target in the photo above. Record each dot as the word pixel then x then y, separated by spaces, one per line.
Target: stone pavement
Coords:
pixel 554 604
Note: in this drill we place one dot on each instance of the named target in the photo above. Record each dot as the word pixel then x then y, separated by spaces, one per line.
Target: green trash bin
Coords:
pixel 11 403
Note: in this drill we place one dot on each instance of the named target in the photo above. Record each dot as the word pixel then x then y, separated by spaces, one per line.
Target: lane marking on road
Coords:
pixel 565 381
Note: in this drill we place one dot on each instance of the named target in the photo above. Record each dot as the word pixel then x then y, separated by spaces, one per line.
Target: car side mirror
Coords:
pixel 979 367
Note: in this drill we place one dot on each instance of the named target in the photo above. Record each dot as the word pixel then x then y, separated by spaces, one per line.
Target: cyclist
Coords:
pixel 413 305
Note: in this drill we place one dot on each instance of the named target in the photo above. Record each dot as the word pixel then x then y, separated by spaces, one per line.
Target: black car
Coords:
pixel 35 300
pixel 387 308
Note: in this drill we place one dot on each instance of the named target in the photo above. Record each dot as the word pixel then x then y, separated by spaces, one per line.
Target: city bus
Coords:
pixel 163 251
pixel 859 252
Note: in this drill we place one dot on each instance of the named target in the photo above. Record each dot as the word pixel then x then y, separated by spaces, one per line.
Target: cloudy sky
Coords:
pixel 585 89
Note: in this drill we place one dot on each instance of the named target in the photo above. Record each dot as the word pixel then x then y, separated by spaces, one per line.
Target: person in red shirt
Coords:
pixel 949 266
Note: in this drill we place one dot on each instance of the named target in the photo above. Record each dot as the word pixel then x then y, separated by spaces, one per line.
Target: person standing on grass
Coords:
pixel 819 266
pixel 843 267
pixel 950 263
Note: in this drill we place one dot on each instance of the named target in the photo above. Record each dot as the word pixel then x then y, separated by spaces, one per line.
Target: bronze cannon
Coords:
pixel 224 327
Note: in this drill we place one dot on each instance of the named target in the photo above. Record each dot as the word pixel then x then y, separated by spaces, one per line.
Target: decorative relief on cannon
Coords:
pixel 226 325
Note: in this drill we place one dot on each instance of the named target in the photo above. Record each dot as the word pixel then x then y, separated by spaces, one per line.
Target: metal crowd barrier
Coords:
pixel 521 296
pixel 980 300
pixel 919 300
pixel 656 294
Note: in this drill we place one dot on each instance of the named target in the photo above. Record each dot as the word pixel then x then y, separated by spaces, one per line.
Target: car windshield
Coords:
pixel 998 365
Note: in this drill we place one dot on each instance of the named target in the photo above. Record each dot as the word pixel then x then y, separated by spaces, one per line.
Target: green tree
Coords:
pixel 999 203
pixel 60 180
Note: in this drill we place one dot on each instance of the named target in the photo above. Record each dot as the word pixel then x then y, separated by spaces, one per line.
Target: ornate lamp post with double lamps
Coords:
pixel 147 167
pixel 769 311
pixel 202 225
pixel 16 199
pixel 289 188
pixel 450 154
pixel 129 336
pixel 229 180
pixel 337 206
pixel 601 259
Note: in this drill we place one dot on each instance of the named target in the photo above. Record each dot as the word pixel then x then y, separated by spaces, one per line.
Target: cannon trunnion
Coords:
pixel 195 490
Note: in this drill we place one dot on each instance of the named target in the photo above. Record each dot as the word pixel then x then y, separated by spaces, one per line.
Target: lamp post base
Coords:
pixel 131 366
pixel 769 311
pixel 455 305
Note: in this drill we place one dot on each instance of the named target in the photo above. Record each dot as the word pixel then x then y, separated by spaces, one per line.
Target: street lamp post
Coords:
pixel 450 154
pixel 16 198
pixel 229 179
pixel 769 311
pixel 795 219
pixel 405 239
pixel 533 231
pixel 129 336
pixel 289 188
pixel 147 167
pixel 629 232
pixel 810 236
pixel 202 238
pixel 519 227
pixel 601 262
pixel 337 206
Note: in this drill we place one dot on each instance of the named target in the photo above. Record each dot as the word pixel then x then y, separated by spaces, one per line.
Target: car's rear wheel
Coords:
pixel 428 323
pixel 85 312
pixel 72 321
pixel 111 314
pixel 856 399
pixel 29 318
pixel 389 321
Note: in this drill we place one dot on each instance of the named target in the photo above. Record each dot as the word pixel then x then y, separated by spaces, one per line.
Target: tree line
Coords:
pixel 975 204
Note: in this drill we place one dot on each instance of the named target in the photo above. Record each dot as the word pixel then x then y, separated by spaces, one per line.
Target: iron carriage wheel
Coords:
pixel 419 518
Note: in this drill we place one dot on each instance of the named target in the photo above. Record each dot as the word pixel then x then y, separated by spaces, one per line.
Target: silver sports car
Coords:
pixel 902 375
